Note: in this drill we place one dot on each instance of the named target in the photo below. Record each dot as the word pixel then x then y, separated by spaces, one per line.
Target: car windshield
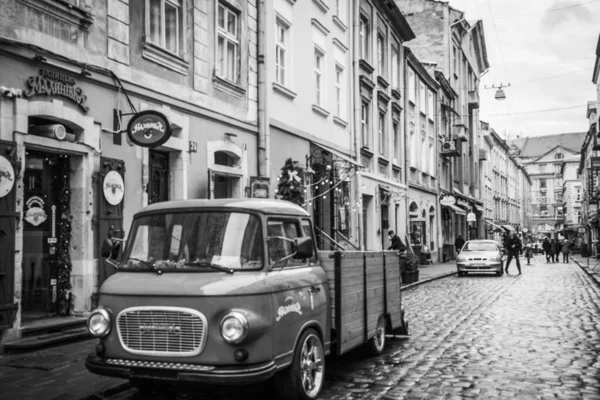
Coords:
pixel 480 246
pixel 200 241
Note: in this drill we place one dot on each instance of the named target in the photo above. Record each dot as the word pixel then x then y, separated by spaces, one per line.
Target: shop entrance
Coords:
pixel 44 203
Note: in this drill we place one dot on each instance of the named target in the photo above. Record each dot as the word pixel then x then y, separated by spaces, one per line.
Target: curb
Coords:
pixel 112 391
pixel 584 269
pixel 433 278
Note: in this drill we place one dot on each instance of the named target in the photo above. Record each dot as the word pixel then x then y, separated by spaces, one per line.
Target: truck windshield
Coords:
pixel 195 241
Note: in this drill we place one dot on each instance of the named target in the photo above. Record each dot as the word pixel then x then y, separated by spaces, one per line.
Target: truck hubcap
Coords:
pixel 311 365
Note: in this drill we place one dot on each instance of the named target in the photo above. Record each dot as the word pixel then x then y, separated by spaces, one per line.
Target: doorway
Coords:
pixel 158 185
pixel 44 179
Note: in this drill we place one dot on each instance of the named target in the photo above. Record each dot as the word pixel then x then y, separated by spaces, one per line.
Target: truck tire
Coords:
pixel 376 344
pixel 304 379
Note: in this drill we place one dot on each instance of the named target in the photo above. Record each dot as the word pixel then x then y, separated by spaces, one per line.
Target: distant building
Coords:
pixel 589 170
pixel 543 158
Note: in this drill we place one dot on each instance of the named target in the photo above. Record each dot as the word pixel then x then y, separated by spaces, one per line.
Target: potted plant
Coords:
pixel 409 267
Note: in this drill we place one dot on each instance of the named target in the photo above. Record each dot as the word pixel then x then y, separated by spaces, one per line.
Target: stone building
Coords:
pixel 74 74
pixel 589 170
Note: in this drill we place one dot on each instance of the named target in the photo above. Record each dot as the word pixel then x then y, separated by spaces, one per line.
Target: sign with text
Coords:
pixel 51 83
pixel 149 129
pixel 448 201
pixel 471 217
pixel 113 188
pixel 7 176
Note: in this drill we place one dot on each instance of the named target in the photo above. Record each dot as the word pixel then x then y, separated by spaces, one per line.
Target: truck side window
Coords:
pixel 280 248
pixel 307 228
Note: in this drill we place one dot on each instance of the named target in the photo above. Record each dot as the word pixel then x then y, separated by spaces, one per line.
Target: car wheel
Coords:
pixel 303 380
pixel 376 345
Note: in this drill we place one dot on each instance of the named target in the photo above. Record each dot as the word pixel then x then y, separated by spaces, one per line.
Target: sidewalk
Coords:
pixel 589 265
pixel 428 273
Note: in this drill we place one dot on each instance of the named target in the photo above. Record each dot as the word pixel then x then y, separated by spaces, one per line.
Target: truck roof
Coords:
pixel 267 206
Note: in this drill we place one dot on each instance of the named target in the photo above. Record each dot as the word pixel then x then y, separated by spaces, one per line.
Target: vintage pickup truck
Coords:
pixel 234 291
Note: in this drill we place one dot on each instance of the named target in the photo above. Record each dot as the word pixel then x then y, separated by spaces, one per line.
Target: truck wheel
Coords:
pixel 304 378
pixel 376 345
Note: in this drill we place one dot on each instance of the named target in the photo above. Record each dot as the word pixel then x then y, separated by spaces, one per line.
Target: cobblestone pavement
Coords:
pixel 533 336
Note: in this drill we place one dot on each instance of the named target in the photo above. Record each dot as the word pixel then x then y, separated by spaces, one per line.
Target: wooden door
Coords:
pixel 110 217
pixel 158 184
pixel 8 221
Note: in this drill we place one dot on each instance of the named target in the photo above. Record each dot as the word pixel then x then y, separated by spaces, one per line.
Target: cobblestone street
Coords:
pixel 532 336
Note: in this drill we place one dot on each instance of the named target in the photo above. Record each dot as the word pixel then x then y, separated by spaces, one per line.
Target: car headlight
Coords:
pixel 460 258
pixel 496 258
pixel 99 323
pixel 234 327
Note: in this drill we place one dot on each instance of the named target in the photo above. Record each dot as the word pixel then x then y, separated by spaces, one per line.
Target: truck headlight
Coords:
pixel 234 327
pixel 99 323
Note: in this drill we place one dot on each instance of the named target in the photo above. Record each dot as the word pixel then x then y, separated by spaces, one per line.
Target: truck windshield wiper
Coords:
pixel 211 265
pixel 143 262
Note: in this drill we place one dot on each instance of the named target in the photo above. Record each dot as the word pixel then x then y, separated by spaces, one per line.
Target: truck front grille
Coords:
pixel 162 331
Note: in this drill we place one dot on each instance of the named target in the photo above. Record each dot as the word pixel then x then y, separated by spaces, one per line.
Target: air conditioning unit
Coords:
pixel 449 146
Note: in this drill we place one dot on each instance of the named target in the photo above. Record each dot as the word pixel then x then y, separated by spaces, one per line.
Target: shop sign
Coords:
pixel 581 230
pixel 53 83
pixel 259 188
pixel 149 129
pixel 471 217
pixel 448 201
pixel 462 203
pixel 35 213
pixel 113 188
pixel 7 176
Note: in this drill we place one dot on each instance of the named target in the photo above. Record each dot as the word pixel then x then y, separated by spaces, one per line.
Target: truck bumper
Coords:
pixel 180 372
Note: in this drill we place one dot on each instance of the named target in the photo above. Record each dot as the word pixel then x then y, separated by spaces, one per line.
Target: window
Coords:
pixel 318 77
pixel 422 98
pixel 364 124
pixel 455 60
pixel 281 234
pixel 339 9
pixel 559 156
pixel 578 195
pixel 339 95
pixel 380 55
pixel 165 24
pixel 281 45
pixel 396 143
pixel 382 136
pixel 395 58
pixel 412 89
pixel 430 105
pixel 363 33
pixel 431 160
pixel 228 44
pixel 543 184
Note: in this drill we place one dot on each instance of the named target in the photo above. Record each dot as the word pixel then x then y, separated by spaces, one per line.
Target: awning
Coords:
pixel 479 208
pixel 509 228
pixel 457 210
pixel 496 227
pixel 338 154
pixel 456 191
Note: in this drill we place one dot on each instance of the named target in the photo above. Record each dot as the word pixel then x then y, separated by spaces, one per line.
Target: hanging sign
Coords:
pixel 35 213
pixel 52 239
pixel 113 188
pixel 149 129
pixel 7 176
pixel 471 217
pixel 448 201
pixel 52 83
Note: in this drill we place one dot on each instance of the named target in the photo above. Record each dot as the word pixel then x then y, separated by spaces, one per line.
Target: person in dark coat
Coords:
pixel 555 250
pixel 566 249
pixel 513 247
pixel 396 242
pixel 547 248
pixel 459 243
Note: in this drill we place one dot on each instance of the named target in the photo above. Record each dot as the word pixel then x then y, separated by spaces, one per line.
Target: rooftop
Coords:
pixel 537 146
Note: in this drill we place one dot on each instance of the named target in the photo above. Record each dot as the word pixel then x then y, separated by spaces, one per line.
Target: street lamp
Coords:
pixel 500 95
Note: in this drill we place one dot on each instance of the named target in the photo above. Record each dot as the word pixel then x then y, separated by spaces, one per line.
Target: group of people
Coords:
pixel 553 249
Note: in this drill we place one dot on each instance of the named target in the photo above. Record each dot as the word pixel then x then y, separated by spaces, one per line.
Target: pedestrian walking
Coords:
pixel 528 253
pixel 547 249
pixel 513 246
pixel 396 242
pixel 555 250
pixel 459 243
pixel 566 249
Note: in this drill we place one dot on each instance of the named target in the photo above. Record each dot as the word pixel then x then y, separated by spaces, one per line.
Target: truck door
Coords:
pixel 300 285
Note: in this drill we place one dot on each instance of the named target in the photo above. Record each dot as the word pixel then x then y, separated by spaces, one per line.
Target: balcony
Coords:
pixel 473 99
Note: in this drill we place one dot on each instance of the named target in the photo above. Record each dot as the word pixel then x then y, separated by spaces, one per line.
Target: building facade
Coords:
pixel 572 200
pixel 458 49
pixel 589 170
pixel 74 76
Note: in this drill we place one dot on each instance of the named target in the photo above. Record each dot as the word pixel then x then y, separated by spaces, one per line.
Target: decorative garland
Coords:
pixel 290 184
pixel 61 262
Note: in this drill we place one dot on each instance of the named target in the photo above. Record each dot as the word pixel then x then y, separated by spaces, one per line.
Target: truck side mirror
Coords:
pixel 304 247
pixel 110 249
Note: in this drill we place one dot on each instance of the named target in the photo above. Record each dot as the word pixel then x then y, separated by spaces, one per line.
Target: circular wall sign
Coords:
pixel 149 129
pixel 7 176
pixel 113 187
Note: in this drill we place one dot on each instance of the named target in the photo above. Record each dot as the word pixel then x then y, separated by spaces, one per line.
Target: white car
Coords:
pixel 480 256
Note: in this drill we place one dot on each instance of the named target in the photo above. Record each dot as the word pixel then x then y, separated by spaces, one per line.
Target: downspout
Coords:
pixel 357 127
pixel 406 144
pixel 263 119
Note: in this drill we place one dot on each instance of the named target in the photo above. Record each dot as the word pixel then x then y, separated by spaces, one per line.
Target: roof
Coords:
pixel 267 206
pixel 536 146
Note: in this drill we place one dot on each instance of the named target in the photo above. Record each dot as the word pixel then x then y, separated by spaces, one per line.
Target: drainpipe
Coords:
pixel 357 115
pixel 263 118
pixel 406 144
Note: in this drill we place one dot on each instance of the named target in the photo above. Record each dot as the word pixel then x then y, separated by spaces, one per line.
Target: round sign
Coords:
pixel 471 217
pixel 7 176
pixel 149 129
pixel 448 201
pixel 113 188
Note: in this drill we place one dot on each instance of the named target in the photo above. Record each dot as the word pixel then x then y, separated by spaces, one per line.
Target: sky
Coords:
pixel 546 50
